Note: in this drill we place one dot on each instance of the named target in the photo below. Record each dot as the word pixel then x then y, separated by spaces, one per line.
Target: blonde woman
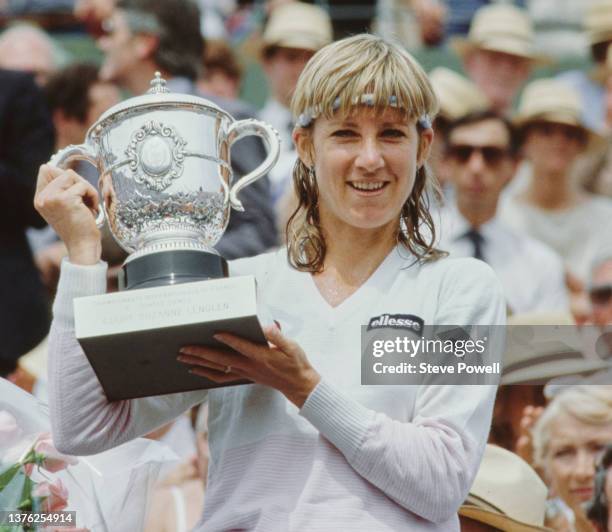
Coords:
pixel 568 439
pixel 308 447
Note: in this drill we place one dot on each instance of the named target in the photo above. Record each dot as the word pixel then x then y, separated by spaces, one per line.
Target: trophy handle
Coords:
pixel 244 128
pixel 80 152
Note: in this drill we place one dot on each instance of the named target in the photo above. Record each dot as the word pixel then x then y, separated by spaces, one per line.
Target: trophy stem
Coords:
pixel 171 267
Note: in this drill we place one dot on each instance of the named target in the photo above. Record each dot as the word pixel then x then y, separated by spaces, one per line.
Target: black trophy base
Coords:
pixel 171 267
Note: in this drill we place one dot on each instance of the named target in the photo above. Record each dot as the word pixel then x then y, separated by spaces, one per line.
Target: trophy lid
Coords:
pixel 159 95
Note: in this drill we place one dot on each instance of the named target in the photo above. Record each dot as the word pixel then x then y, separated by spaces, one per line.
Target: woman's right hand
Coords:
pixel 68 203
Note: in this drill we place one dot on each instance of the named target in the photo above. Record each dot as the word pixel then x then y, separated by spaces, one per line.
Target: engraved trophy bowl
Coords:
pixel 166 181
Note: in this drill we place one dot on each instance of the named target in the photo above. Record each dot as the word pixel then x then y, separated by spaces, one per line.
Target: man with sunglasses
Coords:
pixel 480 159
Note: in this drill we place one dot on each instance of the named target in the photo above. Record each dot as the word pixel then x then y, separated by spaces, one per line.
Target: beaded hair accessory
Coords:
pixel 308 116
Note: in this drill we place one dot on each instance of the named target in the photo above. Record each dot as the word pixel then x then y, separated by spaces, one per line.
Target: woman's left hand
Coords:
pixel 281 365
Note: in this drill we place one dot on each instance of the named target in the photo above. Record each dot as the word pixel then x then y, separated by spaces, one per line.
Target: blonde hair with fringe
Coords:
pixel 333 83
pixel 590 404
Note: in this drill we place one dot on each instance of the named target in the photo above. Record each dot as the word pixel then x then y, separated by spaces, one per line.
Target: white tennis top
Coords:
pixel 355 457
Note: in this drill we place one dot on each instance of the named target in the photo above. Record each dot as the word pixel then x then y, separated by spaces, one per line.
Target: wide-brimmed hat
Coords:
pixel 598 21
pixel 551 100
pixel 500 28
pixel 545 346
pixel 507 493
pixel 458 96
pixel 298 25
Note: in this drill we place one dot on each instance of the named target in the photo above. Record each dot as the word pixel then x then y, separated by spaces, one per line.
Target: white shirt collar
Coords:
pixel 459 226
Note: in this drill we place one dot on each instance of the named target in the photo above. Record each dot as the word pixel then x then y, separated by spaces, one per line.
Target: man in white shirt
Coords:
pixel 293 34
pixel 481 159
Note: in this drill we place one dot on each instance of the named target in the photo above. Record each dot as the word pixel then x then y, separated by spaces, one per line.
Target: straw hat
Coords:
pixel 500 28
pixel 545 346
pixel 551 100
pixel 507 493
pixel 458 96
pixel 298 25
pixel 598 21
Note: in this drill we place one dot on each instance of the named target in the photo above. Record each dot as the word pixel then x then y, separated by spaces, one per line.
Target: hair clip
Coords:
pixel 304 120
pixel 424 122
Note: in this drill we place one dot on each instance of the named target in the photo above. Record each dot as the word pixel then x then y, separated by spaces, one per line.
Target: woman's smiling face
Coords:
pixel 365 165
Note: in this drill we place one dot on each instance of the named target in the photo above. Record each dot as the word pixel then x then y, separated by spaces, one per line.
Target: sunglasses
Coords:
pixel 492 155
pixel 601 295
pixel 569 132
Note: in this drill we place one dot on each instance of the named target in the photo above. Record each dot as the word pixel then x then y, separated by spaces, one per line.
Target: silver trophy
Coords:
pixel 166 182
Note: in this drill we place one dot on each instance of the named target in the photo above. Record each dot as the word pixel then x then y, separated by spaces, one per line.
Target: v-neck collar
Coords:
pixel 381 280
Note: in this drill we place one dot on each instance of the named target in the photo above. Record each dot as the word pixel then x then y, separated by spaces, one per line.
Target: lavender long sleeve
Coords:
pixel 82 419
pixel 354 457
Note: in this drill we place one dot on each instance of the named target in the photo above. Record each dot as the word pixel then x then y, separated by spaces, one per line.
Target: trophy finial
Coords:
pixel 158 85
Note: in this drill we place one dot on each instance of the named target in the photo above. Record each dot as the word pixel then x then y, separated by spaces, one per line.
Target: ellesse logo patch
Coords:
pixel 397 321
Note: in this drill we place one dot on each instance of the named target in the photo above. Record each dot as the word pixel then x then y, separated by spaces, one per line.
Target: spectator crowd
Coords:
pixel 522 154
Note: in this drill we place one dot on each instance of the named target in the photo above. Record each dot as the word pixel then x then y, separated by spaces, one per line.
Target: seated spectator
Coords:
pixel 568 438
pixel 498 54
pixel 462 12
pixel 76 98
pixel 589 85
pixel 26 142
pixel 431 17
pixel 594 172
pixel 510 412
pixel 551 209
pixel 600 289
pixel 222 72
pixel 481 158
pixel 507 495
pixel 542 350
pixel 27 48
pixel 93 13
pixel 457 97
pixel 294 32
pixel 598 508
pixel 558 27
pixel 30 49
